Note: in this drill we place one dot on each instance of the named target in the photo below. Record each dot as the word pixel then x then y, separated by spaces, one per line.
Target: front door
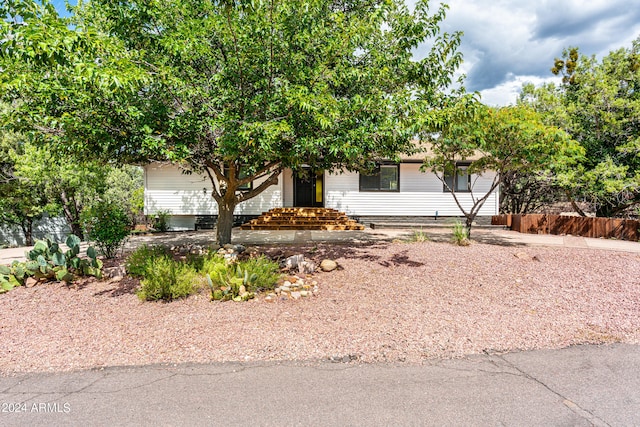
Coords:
pixel 308 190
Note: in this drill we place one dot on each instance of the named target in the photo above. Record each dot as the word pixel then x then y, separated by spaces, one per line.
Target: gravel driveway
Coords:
pixel 388 302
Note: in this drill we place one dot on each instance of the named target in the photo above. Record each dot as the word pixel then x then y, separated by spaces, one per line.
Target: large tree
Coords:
pixel 497 141
pixel 237 90
pixel 598 104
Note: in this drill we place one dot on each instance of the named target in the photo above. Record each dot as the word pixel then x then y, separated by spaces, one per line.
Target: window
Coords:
pixel 241 175
pixel 385 178
pixel 459 181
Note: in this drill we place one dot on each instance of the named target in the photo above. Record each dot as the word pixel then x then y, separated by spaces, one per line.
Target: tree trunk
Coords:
pixel 469 223
pixel 71 214
pixel 225 222
pixel 27 230
pixel 76 229
pixel 574 205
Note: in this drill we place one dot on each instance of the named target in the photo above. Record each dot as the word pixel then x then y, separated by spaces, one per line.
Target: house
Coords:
pixel 396 190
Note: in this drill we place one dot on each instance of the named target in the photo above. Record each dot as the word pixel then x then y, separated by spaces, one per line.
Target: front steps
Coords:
pixel 302 219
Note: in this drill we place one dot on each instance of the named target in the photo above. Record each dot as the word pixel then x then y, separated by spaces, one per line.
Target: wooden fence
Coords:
pixel 622 229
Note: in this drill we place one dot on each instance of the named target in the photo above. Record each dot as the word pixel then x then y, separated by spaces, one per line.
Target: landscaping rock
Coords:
pixel 328 265
pixel 295 295
pixel 117 271
pixel 293 261
pixel 30 282
pixel 522 255
pixel 306 267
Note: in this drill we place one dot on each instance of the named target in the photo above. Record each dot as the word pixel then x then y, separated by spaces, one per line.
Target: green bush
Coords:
pixel 263 272
pixel 160 221
pixel 239 281
pixel 137 262
pixel 108 226
pixel 168 279
pixel 460 234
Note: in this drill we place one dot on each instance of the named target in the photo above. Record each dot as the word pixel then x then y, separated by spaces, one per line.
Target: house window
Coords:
pixel 385 178
pixel 459 181
pixel 241 175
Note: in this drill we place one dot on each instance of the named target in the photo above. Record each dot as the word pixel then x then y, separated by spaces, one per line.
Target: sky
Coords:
pixel 507 43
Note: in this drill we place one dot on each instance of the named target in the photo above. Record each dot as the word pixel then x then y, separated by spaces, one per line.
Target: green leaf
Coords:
pixel 40 246
pixel 4 270
pixel 72 241
pixel 42 262
pixel 91 252
pixel 59 259
pixel 64 275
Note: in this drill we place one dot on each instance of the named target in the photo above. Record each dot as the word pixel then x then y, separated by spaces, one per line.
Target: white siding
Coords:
pixel 167 188
pixel 421 194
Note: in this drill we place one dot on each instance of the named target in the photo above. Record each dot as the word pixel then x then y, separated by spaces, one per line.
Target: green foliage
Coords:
pixel 108 226
pixel 598 105
pixel 47 261
pixel 225 86
pixel 460 234
pixel 500 141
pixel 168 279
pixel 259 273
pixel 11 277
pixel 418 236
pixel 22 199
pixel 137 261
pixel 239 281
pixel 125 188
pixel 160 220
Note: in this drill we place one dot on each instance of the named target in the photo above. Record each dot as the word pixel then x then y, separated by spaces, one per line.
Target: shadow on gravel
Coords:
pixel 332 250
pixel 125 286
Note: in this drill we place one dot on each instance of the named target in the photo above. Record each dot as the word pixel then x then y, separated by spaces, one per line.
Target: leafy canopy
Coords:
pixel 598 104
pixel 221 86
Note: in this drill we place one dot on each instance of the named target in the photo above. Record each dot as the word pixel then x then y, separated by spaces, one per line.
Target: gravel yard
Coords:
pixel 388 302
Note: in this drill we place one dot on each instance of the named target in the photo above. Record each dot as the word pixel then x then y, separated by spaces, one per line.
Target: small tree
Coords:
pixel 108 225
pixel 501 141
pixel 598 105
pixel 22 199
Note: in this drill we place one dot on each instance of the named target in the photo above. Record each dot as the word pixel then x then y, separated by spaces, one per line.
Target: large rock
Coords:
pixel 328 265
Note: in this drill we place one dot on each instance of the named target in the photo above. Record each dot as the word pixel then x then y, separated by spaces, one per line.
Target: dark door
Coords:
pixel 308 190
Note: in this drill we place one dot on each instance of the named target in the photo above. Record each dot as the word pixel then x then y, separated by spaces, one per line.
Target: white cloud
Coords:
pixel 507 93
pixel 509 42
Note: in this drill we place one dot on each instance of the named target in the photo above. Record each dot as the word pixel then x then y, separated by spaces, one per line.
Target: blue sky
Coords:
pixel 509 42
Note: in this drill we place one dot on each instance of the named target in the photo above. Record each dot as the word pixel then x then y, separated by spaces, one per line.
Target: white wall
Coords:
pixel 167 188
pixel 421 194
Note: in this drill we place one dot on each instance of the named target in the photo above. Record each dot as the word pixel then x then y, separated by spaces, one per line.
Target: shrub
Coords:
pixel 160 221
pixel 240 281
pixel 136 262
pixel 108 226
pixel 460 234
pixel 264 273
pixel 418 236
pixel 168 279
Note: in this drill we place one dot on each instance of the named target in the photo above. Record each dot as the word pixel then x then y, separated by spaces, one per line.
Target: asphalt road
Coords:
pixel 578 386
